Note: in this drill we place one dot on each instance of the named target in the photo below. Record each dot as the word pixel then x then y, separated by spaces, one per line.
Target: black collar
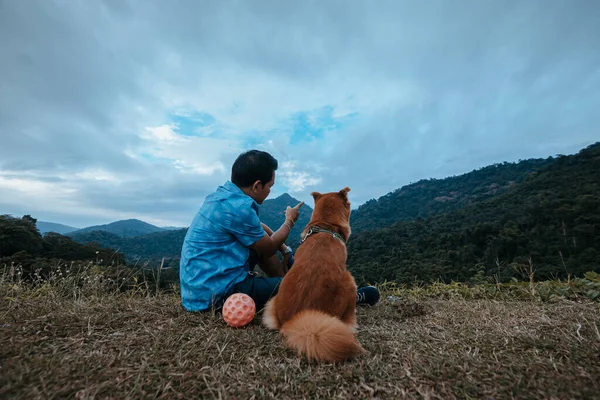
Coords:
pixel 317 229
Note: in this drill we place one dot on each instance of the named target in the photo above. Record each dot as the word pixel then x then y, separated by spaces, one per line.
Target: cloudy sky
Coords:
pixel 137 108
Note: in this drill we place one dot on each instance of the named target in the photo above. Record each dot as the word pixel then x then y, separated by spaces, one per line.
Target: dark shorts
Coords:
pixel 258 288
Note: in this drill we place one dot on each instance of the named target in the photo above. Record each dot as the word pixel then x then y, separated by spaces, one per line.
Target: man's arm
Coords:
pixel 268 245
pixel 269 231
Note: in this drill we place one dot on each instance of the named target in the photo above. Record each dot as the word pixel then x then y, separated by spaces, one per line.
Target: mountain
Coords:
pixel 272 214
pixel 549 222
pixel 430 197
pixel 125 228
pixel 45 227
pixel 167 243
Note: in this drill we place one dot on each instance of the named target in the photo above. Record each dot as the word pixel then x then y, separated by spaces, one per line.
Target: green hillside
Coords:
pixel 552 218
pixel 430 197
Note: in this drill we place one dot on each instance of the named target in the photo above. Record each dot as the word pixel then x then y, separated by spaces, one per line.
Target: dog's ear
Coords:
pixel 315 195
pixel 344 192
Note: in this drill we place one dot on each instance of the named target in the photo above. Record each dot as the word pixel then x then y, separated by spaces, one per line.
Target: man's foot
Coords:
pixel 367 295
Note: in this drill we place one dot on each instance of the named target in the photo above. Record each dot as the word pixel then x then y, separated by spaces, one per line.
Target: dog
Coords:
pixel 315 307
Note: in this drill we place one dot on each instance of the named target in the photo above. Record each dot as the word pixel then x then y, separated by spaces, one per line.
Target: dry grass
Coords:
pixel 119 345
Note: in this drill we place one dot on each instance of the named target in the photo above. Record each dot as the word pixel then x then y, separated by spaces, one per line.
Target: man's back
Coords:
pixel 216 246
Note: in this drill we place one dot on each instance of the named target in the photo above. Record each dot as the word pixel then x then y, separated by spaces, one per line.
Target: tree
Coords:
pixel 19 234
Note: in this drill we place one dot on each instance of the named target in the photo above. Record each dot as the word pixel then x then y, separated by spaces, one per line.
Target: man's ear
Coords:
pixel 255 184
pixel 315 195
pixel 344 192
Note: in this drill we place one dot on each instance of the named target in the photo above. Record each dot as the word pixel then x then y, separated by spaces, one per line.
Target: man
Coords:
pixel 226 240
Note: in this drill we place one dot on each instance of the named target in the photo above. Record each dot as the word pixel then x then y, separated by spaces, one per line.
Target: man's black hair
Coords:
pixel 252 166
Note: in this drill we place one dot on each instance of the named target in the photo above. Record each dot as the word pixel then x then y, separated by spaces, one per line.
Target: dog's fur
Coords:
pixel 315 308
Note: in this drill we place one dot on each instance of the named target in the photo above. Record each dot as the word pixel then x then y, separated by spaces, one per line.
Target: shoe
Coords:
pixel 367 295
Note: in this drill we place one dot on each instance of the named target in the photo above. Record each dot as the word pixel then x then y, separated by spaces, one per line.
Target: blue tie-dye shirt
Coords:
pixel 216 246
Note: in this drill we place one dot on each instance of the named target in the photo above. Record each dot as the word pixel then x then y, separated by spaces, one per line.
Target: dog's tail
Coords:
pixel 320 337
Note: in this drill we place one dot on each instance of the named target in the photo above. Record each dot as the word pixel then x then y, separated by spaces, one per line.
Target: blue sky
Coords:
pixel 120 109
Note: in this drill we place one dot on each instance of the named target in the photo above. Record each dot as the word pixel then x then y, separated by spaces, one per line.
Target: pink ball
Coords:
pixel 238 310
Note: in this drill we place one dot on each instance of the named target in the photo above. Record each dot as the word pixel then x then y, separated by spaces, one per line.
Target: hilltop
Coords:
pixel 124 228
pixel 429 197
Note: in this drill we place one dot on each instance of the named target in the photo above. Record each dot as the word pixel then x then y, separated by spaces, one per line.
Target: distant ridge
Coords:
pixel 124 228
pixel 45 227
pixel 168 242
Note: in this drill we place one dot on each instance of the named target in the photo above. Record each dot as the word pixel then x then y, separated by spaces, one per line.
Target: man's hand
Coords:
pixel 292 213
pixel 268 245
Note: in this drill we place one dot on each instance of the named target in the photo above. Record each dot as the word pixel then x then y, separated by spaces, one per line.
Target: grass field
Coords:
pixel 82 337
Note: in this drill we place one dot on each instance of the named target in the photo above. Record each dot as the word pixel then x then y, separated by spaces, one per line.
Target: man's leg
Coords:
pixel 272 266
pixel 258 288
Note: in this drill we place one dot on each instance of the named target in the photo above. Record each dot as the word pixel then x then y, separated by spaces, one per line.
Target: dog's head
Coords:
pixel 333 209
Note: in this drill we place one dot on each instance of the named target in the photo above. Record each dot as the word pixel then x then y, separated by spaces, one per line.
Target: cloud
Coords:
pixel 297 179
pixel 129 108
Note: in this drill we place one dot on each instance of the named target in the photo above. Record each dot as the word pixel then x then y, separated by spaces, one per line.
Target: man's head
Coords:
pixel 254 173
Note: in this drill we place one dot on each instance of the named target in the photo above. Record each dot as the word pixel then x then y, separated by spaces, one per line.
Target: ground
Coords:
pixel 135 345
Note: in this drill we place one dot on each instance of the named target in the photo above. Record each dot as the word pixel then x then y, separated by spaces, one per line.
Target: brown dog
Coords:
pixel 315 308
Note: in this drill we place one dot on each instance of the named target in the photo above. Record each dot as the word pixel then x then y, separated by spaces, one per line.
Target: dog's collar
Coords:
pixel 317 229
